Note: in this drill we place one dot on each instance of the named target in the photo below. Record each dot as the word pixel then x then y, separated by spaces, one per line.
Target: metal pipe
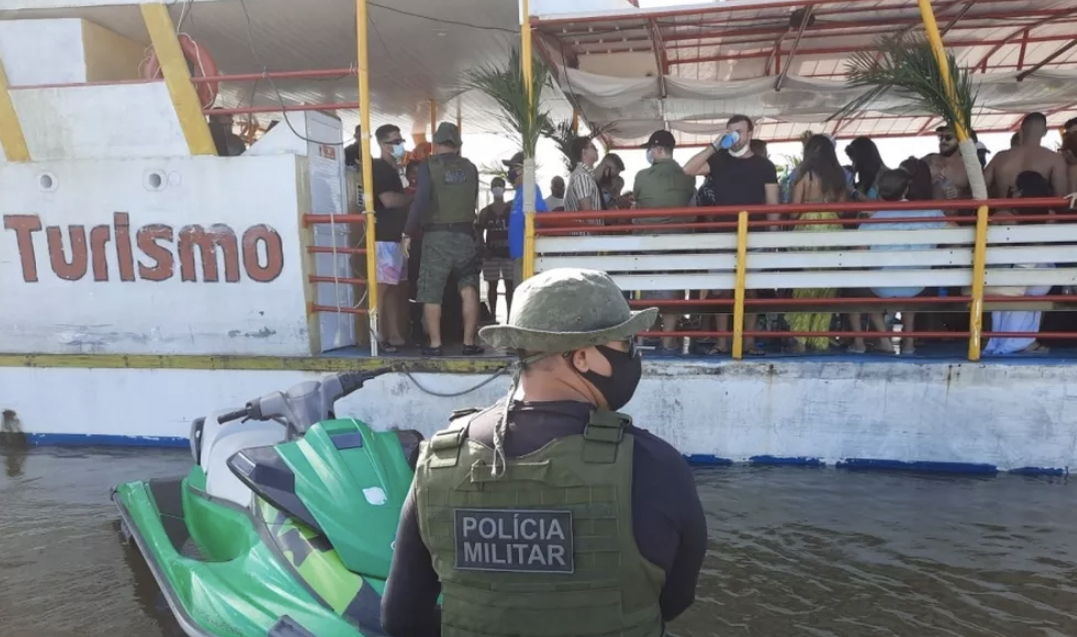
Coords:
pixel 362 35
pixel 345 310
pixel 334 250
pixel 793 51
pixel 287 108
pixel 738 290
pixel 979 263
pixel 343 280
pixel 1047 60
pixel 526 62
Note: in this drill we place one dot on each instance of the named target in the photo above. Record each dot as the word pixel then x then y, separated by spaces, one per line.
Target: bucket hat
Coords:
pixel 565 309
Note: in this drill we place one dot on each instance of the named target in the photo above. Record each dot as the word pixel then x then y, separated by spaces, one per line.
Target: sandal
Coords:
pixel 473 350
pixel 385 347
pixel 431 351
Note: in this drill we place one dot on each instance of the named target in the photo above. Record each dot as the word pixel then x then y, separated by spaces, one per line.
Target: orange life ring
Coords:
pixel 199 61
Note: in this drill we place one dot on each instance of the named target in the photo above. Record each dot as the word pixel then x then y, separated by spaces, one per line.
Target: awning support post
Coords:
pixel 362 36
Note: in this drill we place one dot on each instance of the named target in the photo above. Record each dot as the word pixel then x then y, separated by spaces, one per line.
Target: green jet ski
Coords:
pixel 285 525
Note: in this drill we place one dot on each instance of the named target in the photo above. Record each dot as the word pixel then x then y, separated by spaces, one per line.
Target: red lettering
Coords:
pixel 161 256
pixel 219 235
pixel 99 236
pixel 124 258
pixel 75 268
pixel 24 227
pixel 274 253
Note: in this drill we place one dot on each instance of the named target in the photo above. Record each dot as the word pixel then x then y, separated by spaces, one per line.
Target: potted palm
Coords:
pixel 519 111
pixel 906 64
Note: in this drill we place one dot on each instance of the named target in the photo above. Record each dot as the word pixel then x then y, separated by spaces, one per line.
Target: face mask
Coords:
pixel 741 152
pixel 513 175
pixel 398 151
pixel 497 192
pixel 650 156
pixel 619 387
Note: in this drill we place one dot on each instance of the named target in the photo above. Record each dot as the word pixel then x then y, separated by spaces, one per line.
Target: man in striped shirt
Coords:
pixel 583 193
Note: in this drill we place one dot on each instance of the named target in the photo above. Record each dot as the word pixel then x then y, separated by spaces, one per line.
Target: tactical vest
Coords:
pixel 454 181
pixel 545 550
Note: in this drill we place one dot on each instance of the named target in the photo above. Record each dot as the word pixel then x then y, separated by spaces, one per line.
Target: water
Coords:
pixel 793 552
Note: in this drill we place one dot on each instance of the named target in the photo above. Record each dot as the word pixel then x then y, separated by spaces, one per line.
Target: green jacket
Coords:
pixel 545 550
pixel 663 185
pixel 455 185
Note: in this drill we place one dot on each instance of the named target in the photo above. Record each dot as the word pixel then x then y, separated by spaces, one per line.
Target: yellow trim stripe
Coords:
pixel 12 141
pixel 257 363
pixel 738 289
pixel 178 79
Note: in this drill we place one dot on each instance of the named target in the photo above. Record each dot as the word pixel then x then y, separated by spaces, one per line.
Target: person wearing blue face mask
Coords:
pixel 516 216
pixel 390 212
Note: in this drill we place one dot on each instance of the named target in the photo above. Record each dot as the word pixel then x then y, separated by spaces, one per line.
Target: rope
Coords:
pixel 501 370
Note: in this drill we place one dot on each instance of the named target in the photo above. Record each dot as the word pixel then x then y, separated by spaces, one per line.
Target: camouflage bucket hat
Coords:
pixel 567 309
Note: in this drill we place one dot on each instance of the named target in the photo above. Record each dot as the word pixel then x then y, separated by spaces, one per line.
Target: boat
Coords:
pixel 285 524
pixel 135 260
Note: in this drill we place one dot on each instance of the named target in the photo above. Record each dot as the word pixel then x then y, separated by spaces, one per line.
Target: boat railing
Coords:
pixel 992 257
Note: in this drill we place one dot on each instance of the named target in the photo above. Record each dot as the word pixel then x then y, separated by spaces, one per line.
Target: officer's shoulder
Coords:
pixel 651 445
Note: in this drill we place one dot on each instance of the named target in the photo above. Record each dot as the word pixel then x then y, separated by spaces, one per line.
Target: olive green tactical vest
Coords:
pixel 455 186
pixel 547 549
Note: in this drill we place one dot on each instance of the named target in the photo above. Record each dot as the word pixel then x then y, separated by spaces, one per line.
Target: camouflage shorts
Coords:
pixel 443 254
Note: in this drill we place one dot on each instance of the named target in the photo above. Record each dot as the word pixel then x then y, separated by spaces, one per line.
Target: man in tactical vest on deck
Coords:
pixel 444 205
pixel 549 514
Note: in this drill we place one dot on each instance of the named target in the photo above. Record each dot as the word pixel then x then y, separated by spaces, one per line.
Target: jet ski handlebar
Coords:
pixel 306 403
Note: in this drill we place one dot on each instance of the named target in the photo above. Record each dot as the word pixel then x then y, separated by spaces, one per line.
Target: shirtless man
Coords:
pixel 1001 173
pixel 949 180
pixel 1069 152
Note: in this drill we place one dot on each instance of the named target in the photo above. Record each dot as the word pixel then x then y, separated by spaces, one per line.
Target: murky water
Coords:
pixel 793 552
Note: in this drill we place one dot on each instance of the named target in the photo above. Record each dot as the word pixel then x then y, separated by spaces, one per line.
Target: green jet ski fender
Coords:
pixel 291 536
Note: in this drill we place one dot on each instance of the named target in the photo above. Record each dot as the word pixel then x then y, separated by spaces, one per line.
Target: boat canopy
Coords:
pixel 784 63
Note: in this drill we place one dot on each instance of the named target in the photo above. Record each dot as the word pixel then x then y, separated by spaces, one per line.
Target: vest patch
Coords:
pixel 455 176
pixel 514 540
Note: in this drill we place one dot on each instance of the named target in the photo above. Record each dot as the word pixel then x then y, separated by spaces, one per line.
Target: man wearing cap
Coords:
pixel 948 175
pixel 444 206
pixel 663 185
pixel 549 513
pixel 515 167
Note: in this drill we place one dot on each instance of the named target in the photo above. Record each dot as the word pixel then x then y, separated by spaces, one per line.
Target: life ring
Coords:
pixel 200 63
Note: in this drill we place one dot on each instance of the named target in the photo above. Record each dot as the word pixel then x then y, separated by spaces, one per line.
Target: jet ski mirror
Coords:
pixel 305 403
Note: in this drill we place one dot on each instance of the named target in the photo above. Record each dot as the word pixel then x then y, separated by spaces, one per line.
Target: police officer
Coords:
pixel 444 206
pixel 549 514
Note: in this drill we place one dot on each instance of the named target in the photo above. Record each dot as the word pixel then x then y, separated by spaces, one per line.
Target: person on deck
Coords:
pixel 607 531
pixel 221 129
pixel 583 193
pixel 1001 174
pixel 1069 153
pixel 663 185
pixel 556 200
pixel 493 226
pixel 353 150
pixel 517 221
pixel 444 207
pixel 950 180
pixel 737 177
pixel 390 214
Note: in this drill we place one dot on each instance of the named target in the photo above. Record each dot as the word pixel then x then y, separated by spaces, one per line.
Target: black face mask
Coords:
pixel 626 370
pixel 513 174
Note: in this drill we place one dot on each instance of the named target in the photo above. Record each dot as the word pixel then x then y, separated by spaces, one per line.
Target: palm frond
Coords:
pixel 505 85
pixel 564 134
pixel 906 64
pixel 494 169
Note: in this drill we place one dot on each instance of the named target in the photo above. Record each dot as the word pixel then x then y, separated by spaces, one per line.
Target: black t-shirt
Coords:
pixel 737 182
pixel 389 222
pixel 497 231
pixel 351 154
pixel 668 522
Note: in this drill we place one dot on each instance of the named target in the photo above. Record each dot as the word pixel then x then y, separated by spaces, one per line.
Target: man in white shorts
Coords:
pixel 391 203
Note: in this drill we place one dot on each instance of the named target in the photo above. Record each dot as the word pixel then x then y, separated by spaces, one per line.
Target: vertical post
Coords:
pixel 177 76
pixel 927 15
pixel 976 306
pixel 738 287
pixel 433 117
pixel 529 162
pixel 361 29
pixel 12 141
